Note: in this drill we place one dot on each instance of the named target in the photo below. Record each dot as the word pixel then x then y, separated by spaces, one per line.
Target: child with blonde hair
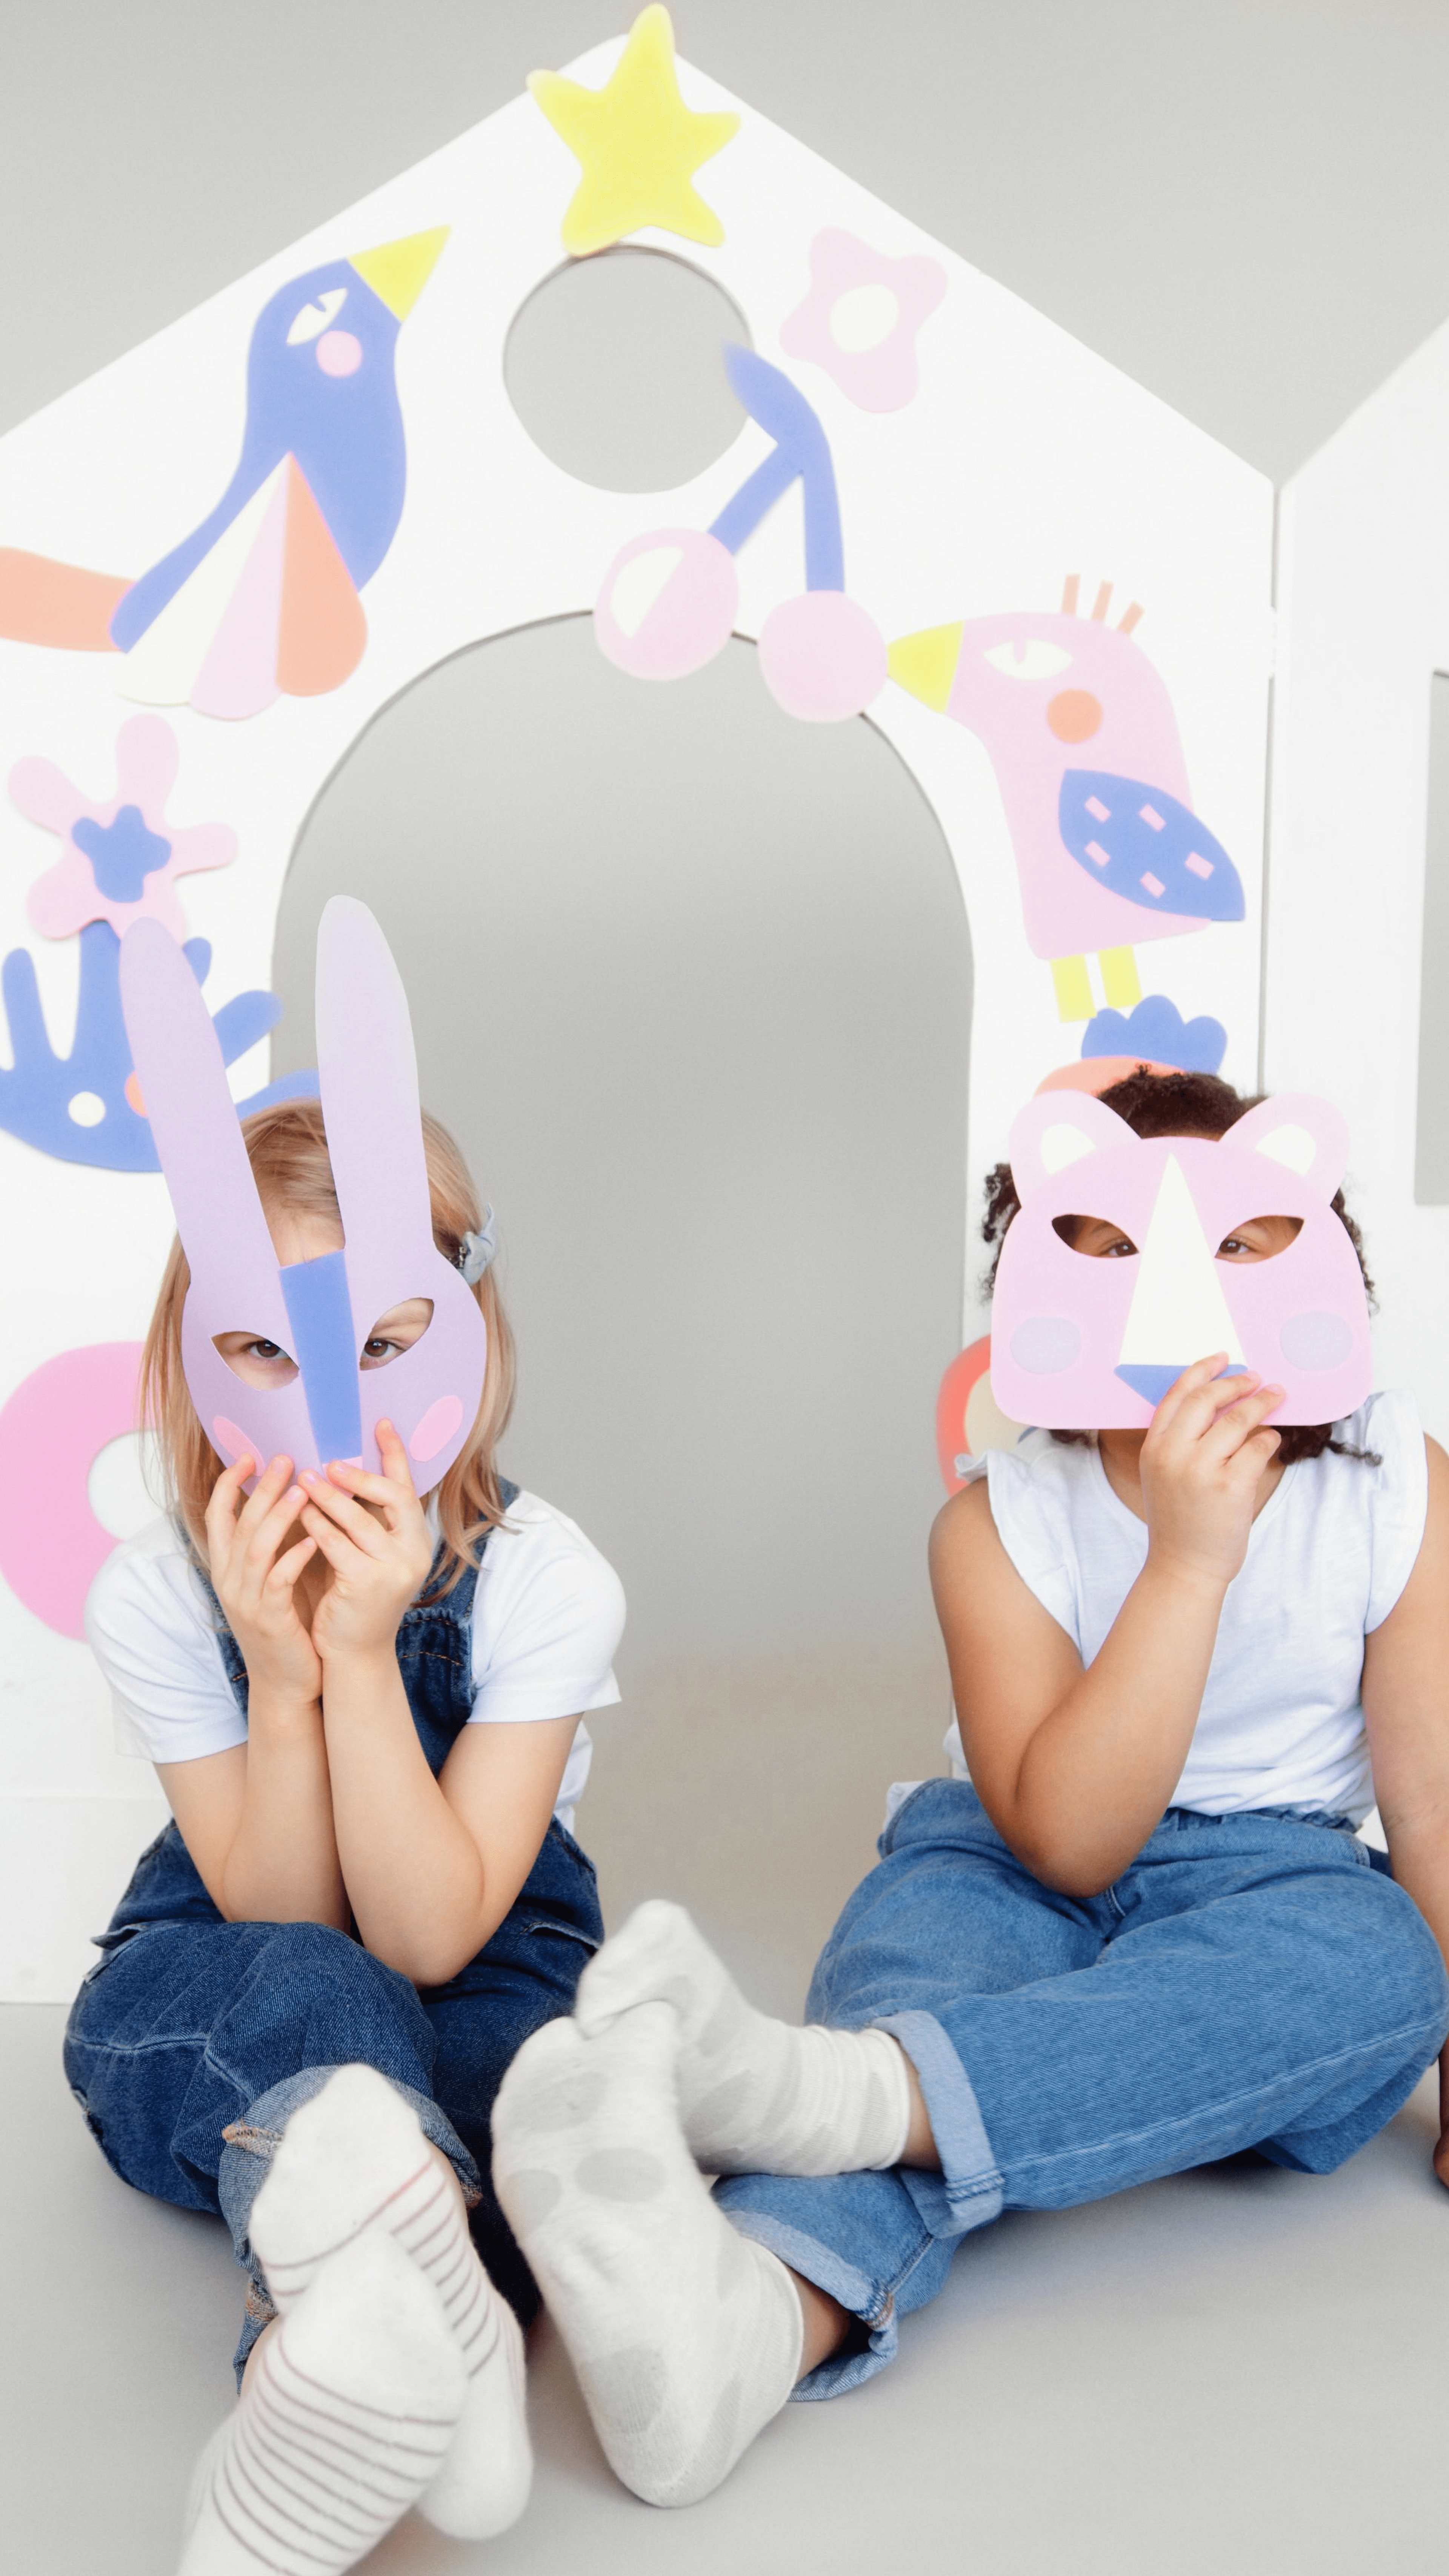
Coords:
pixel 366 1716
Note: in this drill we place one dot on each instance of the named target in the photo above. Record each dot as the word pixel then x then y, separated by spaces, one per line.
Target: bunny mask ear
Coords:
pixel 368 1078
pixel 236 1285
pixel 322 1311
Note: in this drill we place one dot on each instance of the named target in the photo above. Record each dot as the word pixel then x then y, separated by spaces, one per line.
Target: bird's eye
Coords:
pixel 314 318
pixel 1034 659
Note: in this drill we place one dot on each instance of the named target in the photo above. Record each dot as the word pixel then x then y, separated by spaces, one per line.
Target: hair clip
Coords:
pixel 477 1251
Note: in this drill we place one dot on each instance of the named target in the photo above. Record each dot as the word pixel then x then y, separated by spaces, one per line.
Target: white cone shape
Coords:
pixel 1178 1312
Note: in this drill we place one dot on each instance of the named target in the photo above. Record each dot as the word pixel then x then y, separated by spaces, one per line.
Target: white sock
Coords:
pixel 354 2160
pixel 685 2335
pixel 345 2415
pixel 756 2095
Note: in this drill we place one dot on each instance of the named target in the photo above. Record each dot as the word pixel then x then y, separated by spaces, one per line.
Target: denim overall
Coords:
pixel 194 2039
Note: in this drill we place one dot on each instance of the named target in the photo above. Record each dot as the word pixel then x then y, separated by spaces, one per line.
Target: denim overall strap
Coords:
pixel 434 1653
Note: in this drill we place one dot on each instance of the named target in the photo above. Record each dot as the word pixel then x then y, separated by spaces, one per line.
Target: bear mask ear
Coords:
pixel 1298 1132
pixel 1059 1128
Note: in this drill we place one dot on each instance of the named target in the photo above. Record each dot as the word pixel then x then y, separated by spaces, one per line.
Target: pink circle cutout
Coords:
pixel 339 353
pixel 51 1431
pixel 822 656
pixel 667 604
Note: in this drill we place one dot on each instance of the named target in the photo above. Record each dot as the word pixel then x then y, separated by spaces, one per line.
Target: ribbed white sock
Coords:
pixel 345 2416
pixel 685 2335
pixel 354 2159
pixel 756 2095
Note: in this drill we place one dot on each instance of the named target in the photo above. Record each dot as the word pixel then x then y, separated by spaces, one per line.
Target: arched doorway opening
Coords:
pixel 692 984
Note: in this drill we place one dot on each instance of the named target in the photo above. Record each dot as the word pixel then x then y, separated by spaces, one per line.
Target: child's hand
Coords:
pixel 255 1586
pixel 1202 1462
pixel 378 1563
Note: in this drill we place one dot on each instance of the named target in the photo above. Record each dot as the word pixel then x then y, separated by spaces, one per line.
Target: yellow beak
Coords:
pixel 399 270
pixel 925 663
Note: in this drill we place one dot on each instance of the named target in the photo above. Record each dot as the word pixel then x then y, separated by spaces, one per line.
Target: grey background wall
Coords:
pixel 693 983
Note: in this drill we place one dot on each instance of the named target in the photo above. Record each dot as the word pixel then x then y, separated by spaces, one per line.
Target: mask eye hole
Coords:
pixel 256 1360
pixel 1097 1238
pixel 395 1332
pixel 1260 1238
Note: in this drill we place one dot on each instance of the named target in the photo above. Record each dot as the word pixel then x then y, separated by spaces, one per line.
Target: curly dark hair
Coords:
pixel 1180 1104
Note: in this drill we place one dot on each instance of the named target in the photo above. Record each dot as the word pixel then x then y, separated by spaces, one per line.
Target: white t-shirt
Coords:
pixel 1329 1554
pixel 548 1613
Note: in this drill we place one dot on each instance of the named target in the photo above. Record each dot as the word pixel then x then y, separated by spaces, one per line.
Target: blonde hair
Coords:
pixel 287 1147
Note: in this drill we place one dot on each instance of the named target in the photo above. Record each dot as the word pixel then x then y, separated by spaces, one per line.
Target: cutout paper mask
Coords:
pixel 1082 1342
pixel 322 1311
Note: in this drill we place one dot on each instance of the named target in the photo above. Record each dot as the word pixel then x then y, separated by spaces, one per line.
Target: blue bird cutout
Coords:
pixel 261 598
pixel 346 433
pixel 75 1106
pixel 1142 844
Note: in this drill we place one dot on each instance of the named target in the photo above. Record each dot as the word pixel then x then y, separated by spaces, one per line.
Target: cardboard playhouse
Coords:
pixel 943 516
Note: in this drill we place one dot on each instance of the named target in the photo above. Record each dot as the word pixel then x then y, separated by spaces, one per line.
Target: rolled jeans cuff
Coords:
pixel 968 2191
pixel 829 2271
pixel 246 2161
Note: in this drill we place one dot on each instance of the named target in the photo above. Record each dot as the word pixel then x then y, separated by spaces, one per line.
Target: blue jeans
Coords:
pixel 194 2040
pixel 1250 1981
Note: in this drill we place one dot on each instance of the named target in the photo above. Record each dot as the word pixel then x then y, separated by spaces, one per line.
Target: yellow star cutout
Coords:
pixel 636 143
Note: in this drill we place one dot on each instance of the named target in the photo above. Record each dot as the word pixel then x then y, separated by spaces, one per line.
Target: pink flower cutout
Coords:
pixel 119 861
pixel 860 319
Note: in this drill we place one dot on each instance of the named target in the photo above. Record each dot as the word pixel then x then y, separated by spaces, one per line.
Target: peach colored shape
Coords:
pixel 884 377
pixel 1097 1073
pixel 323 629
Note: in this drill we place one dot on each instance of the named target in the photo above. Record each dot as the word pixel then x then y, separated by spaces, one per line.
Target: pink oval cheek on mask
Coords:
pixel 227 1437
pixel 1316 1341
pixel 436 1429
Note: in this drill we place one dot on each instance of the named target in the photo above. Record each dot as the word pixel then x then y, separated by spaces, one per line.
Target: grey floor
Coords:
pixel 1239 2369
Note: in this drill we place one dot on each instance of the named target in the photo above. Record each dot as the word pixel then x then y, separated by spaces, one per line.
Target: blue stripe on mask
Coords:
pixel 320 1312
pixel 1152 1383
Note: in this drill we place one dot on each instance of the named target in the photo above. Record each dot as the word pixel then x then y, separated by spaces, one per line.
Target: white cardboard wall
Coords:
pixel 1024 459
pixel 1363 625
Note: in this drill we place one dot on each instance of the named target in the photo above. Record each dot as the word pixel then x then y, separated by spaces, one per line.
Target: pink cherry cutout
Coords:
pixel 674 612
pixel 822 656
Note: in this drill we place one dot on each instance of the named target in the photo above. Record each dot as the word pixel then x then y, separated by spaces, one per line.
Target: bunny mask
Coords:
pixel 1084 1343
pixel 322 1311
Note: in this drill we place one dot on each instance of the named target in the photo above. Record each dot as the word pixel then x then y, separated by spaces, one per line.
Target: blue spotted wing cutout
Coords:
pixel 1140 843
